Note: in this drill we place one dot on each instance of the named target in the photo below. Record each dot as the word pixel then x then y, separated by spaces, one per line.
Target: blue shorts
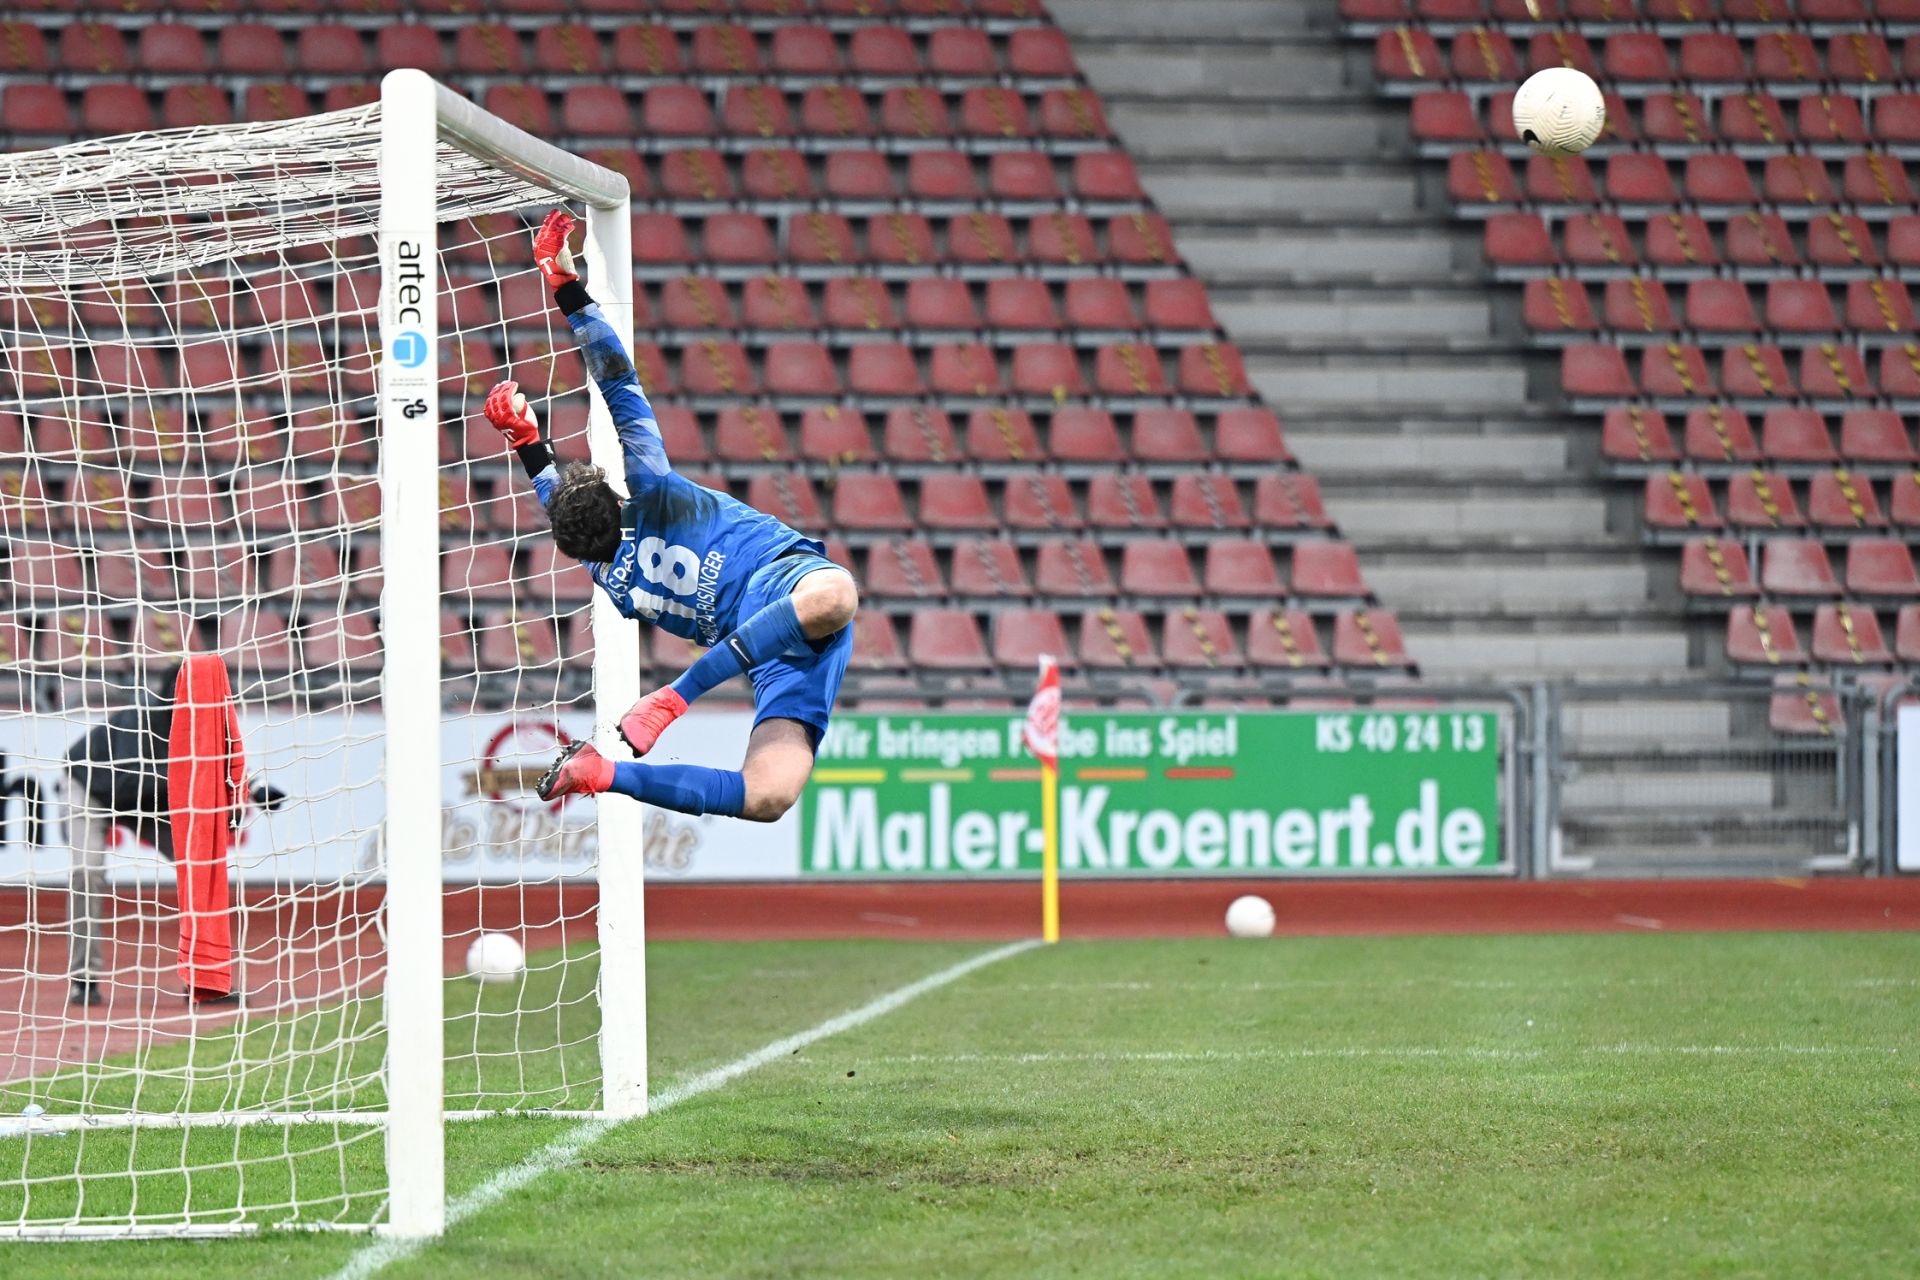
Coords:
pixel 796 686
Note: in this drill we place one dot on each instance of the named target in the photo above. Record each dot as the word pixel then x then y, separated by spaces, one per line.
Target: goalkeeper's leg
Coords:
pixel 794 607
pixel 793 701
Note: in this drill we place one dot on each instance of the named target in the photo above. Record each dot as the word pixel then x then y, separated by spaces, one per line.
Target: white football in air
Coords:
pixel 1559 111
pixel 1250 917
pixel 495 957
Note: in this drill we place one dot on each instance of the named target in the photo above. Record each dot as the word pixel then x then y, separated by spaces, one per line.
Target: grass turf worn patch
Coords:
pixel 1630 1105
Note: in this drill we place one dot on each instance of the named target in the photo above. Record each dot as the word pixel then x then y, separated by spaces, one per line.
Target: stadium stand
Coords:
pixel 899 283
pixel 1726 278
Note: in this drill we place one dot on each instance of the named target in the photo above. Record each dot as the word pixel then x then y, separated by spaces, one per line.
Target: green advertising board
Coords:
pixel 1160 794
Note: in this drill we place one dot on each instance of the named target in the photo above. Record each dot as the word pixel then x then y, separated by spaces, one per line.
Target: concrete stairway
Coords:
pixel 1480 511
pixel 1367 321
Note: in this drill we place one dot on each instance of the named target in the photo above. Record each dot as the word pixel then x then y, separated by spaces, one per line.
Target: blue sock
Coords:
pixel 767 634
pixel 685 788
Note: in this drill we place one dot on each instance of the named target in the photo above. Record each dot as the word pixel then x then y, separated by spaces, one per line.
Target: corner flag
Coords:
pixel 1042 735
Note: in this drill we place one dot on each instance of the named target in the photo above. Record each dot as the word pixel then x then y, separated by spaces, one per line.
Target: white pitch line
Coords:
pixel 565 1150
pixel 1416 1052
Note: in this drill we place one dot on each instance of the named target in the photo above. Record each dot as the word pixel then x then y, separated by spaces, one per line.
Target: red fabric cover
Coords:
pixel 206 785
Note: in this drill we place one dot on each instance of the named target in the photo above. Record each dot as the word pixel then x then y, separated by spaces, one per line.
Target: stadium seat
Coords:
pixel 849 302
pixel 114 108
pixel 1881 567
pixel 568 49
pixel 964 369
pixel 1200 639
pixel 1829 371
pixel 883 52
pixel 946 640
pixel 1106 176
pixel 1115 640
pixel 1680 500
pixel 1635 434
pixel 867 501
pixel 1716 567
pixel 800 369
pixel 1640 304
pixel 676 111
pixel 1285 639
pixel 1071 568
pixel 901 240
pixel 1165 437
pixel 1841 499
pixel 35 111
pixel 1073 114
pixel 1128 369
pixel 883 369
pixel 990 569
pixel 750 433
pixel 1763 635
pixel 981 239
pixel 1084 436
pixel 1876 435
pixel 835 111
pixel 958 502
pixel 488 49
pixel 1002 435
pixel 1047 369
pixel 1849 636
pixel 1796 435
pixel 1064 239
pixel 1797 567
pixel 914 112
pixel 1880 305
pixel 1829 119
pixel 1016 302
pixel 1407 53
pixel 786 497
pixel 1557 304
pixel 903 569
pixel 1155 568
pixel 919 434
pixel 1204 500
pixel 1020 176
pixel 1369 638
pixel 1756 239
pixel 1759 499
pixel 1716 304
pixel 756 111
pixel 1123 500
pixel 712 368
pixel 1022 636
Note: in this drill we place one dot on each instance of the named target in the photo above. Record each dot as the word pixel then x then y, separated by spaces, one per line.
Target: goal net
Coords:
pixel 242 375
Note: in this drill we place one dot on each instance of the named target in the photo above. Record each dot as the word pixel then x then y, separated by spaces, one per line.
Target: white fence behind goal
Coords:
pixel 239 415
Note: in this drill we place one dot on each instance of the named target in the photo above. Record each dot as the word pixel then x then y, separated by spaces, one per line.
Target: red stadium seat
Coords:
pixel 835 111
pixel 114 108
pixel 1073 113
pixel 1762 500
pixel 1880 304
pixel 1200 639
pixel 903 569
pixel 1637 56
pixel 1596 371
pixel 1072 567
pixel 919 434
pixel 959 502
pixel 757 111
pixel 1169 304
pixel 1407 53
pixel 1896 118
pixel 1285 639
pixel 1842 500
pixel 1796 435
pixel 1018 302
pixel 1369 638
pixel 1757 239
pixel 1712 56
pixel 750 433
pixel 568 49
pixel 876 645
pixel 725 49
pixel 1849 636
pixel 1249 434
pixel 1129 369
pixel 942 302
pixel 1206 500
pixel 1680 500
pixel 1047 369
pixel 1639 304
pixel 645 50
pixel 1876 435
pixel 1598 240
pixel 1797 178
pixel 1785 55
pixel 805 50
pixel 1084 436
pixel 1063 239
pixel 1518 240
pixel 408 45
pixel 850 302
pixel 687 302
pixel 94 48
pixel 1560 48
pixel 786 497
pixel 914 112
pixel 989 568
pixel 960 52
pixel 1714 567
pixel 1832 372
pixel 1639 177
pixel 1763 635
pixel 1560 180
pixel 1116 640
pixel 946 640
pixel 800 369
pixel 1040 53
pixel 942 174
pixel 1022 636
pixel 1106 176
pixel 901 239
pixel 171 48
pixel 866 500
pixel 1633 434
pixel 1677 119
pixel 883 369
pixel 1719 178
pixel 1484 53
pixel 857 175
pixel 964 369
pixel 487 48
pixel 1906 639
pixel 595 111
pixel 1481 177
pixel 1327 568
pixel 677 111
pixel 882 51
pixel 1000 435
pixel 994 111
pixel 1872 178
pixel 1800 306
pixel 1213 369
pixel 1040 501
pixel 1881 567
pixel 981 239
pixel 1151 567
pixel 1123 500
pixel 1166 437
pixel 1020 176
pixel 1828 119
pixel 821 240
pixel 1799 567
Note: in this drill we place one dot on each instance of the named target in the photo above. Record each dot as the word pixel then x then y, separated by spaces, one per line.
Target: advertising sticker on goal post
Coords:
pixel 1042 737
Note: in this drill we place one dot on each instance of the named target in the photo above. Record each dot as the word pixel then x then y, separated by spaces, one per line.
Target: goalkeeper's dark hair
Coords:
pixel 585 513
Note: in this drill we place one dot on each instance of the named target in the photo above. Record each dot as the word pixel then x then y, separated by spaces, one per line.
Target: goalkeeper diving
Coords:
pixel 761 597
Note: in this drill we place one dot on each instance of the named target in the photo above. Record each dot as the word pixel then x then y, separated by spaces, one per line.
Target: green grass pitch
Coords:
pixel 1710 1105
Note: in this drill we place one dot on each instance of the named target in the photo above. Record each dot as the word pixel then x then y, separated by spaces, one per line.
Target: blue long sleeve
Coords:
pixel 641 446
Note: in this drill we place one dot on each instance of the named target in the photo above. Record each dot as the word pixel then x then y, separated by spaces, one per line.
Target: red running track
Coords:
pixel 323 946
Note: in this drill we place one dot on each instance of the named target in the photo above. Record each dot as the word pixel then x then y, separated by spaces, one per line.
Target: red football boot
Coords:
pixel 641 727
pixel 580 771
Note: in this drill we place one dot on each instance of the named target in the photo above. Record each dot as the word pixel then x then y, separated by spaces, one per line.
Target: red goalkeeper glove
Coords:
pixel 510 414
pixel 550 252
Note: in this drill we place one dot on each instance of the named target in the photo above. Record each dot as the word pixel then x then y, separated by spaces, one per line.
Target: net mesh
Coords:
pixel 188 462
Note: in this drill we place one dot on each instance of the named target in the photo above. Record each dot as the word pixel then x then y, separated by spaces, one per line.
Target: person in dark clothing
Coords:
pixel 117 777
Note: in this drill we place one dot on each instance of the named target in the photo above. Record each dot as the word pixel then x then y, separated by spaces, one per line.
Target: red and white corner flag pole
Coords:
pixel 1043 739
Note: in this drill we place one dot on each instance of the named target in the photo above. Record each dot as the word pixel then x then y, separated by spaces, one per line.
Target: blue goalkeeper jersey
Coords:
pixel 687 551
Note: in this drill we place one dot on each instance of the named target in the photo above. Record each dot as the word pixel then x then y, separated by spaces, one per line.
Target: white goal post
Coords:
pixel 219 344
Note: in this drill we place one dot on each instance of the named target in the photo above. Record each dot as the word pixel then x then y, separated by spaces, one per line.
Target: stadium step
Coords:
pixel 1334 455
pixel 1423 519
pixel 1695 790
pixel 1688 842
pixel 1191 19
pixel 1201 191
pixel 1258 314
pixel 1227 254
pixel 1508 583
pixel 1300 129
pixel 1248 68
pixel 1378 378
pixel 1483 652
pixel 1630 727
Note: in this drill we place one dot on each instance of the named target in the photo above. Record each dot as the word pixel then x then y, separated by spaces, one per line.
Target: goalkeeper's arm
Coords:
pixel 606 356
